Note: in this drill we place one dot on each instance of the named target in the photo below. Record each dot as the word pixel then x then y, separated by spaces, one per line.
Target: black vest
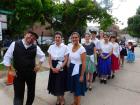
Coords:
pixel 24 59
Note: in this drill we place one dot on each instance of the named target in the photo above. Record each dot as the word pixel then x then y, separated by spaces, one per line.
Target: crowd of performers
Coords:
pixel 73 67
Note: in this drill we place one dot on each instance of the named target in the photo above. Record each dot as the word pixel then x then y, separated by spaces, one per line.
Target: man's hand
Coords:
pixel 10 70
pixel 37 67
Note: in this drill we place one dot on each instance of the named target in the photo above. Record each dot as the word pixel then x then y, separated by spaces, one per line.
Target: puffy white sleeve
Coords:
pixel 111 46
pixel 49 50
pixel 66 50
pixel 9 55
pixel 98 45
pixel 82 50
pixel 116 50
pixel 40 54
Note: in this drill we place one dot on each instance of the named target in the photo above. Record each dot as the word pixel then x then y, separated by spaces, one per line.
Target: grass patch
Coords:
pixel 2 67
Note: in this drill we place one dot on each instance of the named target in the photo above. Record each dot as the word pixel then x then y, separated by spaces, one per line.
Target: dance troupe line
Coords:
pixel 73 67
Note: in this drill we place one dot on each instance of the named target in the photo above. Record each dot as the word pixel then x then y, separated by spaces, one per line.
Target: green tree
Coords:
pixel 134 24
pixel 66 17
pixel 7 4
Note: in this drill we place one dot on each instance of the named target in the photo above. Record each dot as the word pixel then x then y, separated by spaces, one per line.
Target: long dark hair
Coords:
pixel 114 37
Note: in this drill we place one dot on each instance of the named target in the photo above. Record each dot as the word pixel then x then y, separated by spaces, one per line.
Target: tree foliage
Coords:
pixel 66 17
pixel 7 4
pixel 134 24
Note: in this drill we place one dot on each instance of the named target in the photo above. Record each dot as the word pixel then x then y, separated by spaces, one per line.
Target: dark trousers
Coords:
pixel 22 78
pixel 95 74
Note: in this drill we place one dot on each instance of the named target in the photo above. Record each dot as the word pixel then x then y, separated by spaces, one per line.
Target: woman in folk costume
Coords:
pixel 123 51
pixel 115 62
pixel 130 55
pixel 90 60
pixel 58 55
pixel 104 63
pixel 76 71
pixel 96 42
pixel 101 35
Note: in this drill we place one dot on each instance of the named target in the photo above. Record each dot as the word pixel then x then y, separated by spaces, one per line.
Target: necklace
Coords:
pixel 75 48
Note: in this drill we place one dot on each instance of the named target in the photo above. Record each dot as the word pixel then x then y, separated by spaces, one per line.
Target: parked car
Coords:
pixel 135 44
pixel 45 40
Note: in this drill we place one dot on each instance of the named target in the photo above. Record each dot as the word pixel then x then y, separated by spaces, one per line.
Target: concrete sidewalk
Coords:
pixel 124 89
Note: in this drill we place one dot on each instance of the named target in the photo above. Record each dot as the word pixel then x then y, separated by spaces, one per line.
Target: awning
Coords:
pixel 6 12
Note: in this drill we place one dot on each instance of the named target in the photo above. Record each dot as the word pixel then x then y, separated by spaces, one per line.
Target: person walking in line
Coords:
pixel 130 55
pixel 94 39
pixel 104 63
pixel 115 62
pixel 58 55
pixel 76 71
pixel 90 60
pixel 23 53
pixel 123 51
pixel 96 42
pixel 101 36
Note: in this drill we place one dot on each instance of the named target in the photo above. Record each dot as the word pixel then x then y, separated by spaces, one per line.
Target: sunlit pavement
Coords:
pixel 124 89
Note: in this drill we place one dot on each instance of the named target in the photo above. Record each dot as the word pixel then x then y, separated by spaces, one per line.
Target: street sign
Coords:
pixel 3 20
pixel 0 32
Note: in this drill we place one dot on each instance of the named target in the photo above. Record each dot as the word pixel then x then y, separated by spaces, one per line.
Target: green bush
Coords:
pixel 2 67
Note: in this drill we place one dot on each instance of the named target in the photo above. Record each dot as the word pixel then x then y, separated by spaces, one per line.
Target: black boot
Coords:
pixel 101 81
pixel 113 76
pixel 105 81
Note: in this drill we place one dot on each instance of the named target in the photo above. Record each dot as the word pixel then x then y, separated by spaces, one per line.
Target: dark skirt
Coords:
pixel 74 85
pixel 57 84
pixel 104 65
pixel 123 52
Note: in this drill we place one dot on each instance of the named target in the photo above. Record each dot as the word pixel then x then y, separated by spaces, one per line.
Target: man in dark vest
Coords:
pixel 23 54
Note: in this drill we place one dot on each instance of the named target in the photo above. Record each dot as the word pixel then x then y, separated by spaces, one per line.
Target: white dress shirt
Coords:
pixel 58 52
pixel 9 54
pixel 96 42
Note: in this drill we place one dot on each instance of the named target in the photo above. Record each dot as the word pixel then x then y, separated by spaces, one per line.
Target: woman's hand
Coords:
pixel 105 57
pixel 55 70
pixel 81 79
pixel 96 63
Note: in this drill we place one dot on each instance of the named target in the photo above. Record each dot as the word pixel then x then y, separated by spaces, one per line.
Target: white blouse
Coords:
pixel 75 57
pixel 96 42
pixel 101 41
pixel 58 52
pixel 106 47
pixel 116 49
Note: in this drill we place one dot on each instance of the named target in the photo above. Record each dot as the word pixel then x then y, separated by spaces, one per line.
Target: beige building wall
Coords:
pixel 41 29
